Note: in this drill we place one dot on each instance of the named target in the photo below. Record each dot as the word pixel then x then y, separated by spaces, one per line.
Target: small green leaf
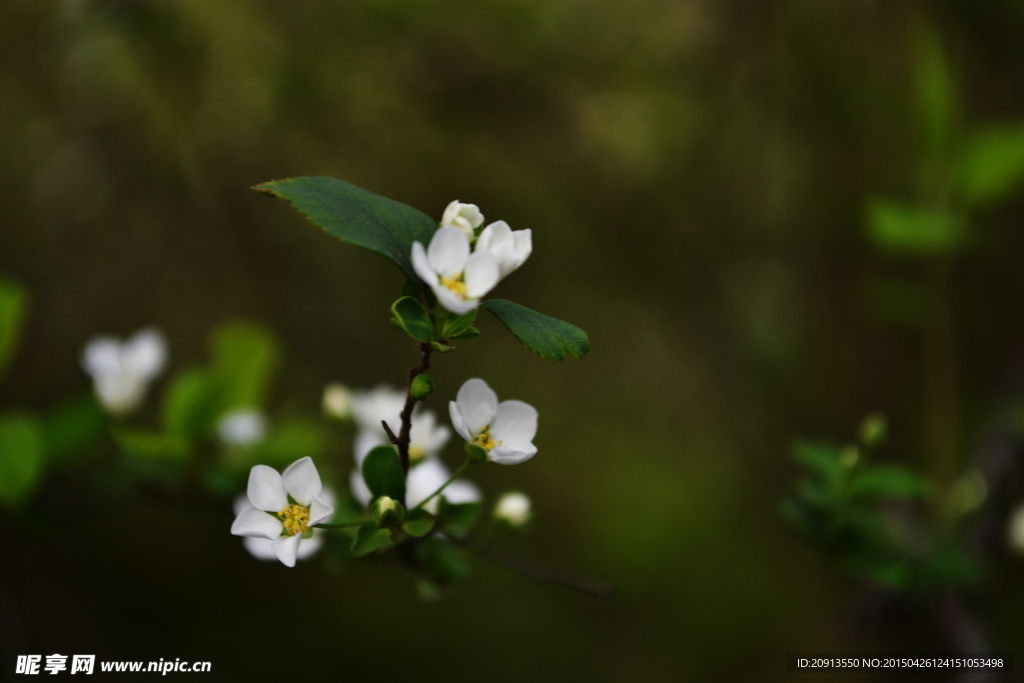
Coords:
pixel 418 522
pixel 369 538
pixel 442 561
pixel 993 165
pixel 935 91
pixel 13 305
pixel 888 482
pixel 459 324
pixel 72 427
pixel 358 217
pixel 382 472
pixel 548 337
pixel 21 458
pixel 468 333
pixel 441 348
pixel 821 457
pixel 191 404
pixel 903 228
pixel 456 519
pixel 244 359
pixel 413 319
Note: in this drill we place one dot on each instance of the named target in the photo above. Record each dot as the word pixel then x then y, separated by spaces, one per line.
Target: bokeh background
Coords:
pixel 703 182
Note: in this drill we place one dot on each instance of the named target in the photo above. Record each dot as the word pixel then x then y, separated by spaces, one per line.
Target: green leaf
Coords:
pixel 72 427
pixel 993 166
pixel 244 359
pixel 903 228
pixel 935 91
pixel 548 337
pixel 369 538
pixel 821 457
pixel 191 404
pixel 413 319
pixel 21 458
pixel 418 522
pixel 290 440
pixel 458 325
pixel 358 217
pixel 442 561
pixel 456 519
pixel 412 290
pixel 468 333
pixel 13 306
pixel 152 446
pixel 382 472
pixel 888 482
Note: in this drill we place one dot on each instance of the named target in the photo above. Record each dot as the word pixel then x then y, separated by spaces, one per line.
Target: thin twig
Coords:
pixel 595 588
pixel 402 442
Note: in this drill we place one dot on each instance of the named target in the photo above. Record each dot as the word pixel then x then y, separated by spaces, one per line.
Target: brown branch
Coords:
pixel 595 588
pixel 402 441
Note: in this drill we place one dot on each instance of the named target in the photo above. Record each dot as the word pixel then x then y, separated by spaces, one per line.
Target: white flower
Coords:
pixel 426 437
pixel 465 217
pixel 288 523
pixel 369 408
pixel 505 430
pixel 260 547
pixel 242 427
pixel 1015 530
pixel 337 401
pixel 457 277
pixel 121 371
pixel 511 248
pixel 423 480
pixel 514 509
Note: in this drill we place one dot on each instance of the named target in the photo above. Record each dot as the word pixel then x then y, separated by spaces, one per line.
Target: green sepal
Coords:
pixel 418 523
pixel 387 512
pixel 411 318
pixel 456 519
pixel 459 324
pixel 441 348
pixel 468 333
pixel 475 454
pixel 369 538
pixel 547 337
pixel 382 472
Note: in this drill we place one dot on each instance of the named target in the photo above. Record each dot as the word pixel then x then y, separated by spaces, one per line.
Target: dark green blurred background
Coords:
pixel 696 175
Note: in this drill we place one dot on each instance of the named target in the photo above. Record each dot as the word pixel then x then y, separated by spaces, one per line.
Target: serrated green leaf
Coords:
pixel 191 404
pixel 418 522
pixel 904 228
pixel 13 306
pixel 456 519
pixel 382 472
pixel 547 337
pixel 21 458
pixel 993 166
pixel 358 217
pixel 888 482
pixel 369 538
pixel 453 327
pixel 412 318
pixel 72 427
pixel 244 359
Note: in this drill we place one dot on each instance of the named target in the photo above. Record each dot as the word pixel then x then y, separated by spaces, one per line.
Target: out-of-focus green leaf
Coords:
pixel 456 519
pixel 887 482
pixel 907 229
pixel 357 216
pixel 899 301
pixel 288 441
pixel 152 446
pixel 821 457
pixel 442 561
pixel 547 337
pixel 950 567
pixel 369 538
pixel 191 404
pixel 935 91
pixel 418 522
pixel 72 427
pixel 411 318
pixel 993 166
pixel 382 472
pixel 244 359
pixel 21 457
pixel 13 305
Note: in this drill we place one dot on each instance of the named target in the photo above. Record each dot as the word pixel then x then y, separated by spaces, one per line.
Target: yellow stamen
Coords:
pixel 295 518
pixel 457 287
pixel 484 440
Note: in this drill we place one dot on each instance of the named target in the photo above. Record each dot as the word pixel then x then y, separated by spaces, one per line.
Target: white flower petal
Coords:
pixel 309 546
pixel 360 491
pixel 319 510
pixel 514 424
pixel 102 356
pixel 241 502
pixel 506 455
pixel 477 404
pixel 423 480
pixel 482 273
pixel 286 549
pixel 302 481
pixel 420 265
pixel 448 252
pixel 468 213
pixel 253 522
pixel 266 490
pixel 523 241
pixel 462 491
pixel 458 422
pixel 145 353
pixel 453 302
pixel 493 235
pixel 242 427
pixel 259 548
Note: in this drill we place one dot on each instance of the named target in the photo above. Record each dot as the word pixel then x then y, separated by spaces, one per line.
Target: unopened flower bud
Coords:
pixel 337 401
pixel 513 509
pixel 388 513
pixel 422 386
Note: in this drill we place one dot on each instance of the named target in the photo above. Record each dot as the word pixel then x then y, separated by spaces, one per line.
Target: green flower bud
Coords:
pixel 422 386
pixel 387 513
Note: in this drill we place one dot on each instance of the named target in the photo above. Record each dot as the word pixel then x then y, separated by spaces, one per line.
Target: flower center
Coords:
pixel 295 518
pixel 483 439
pixel 457 287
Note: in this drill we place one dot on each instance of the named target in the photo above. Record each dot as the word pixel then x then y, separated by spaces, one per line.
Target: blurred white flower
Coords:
pixel 457 277
pixel 242 427
pixel 466 217
pixel 1015 530
pixel 511 248
pixel 337 401
pixel 288 524
pixel 514 509
pixel 423 480
pixel 504 430
pixel 121 371
pixel 426 437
